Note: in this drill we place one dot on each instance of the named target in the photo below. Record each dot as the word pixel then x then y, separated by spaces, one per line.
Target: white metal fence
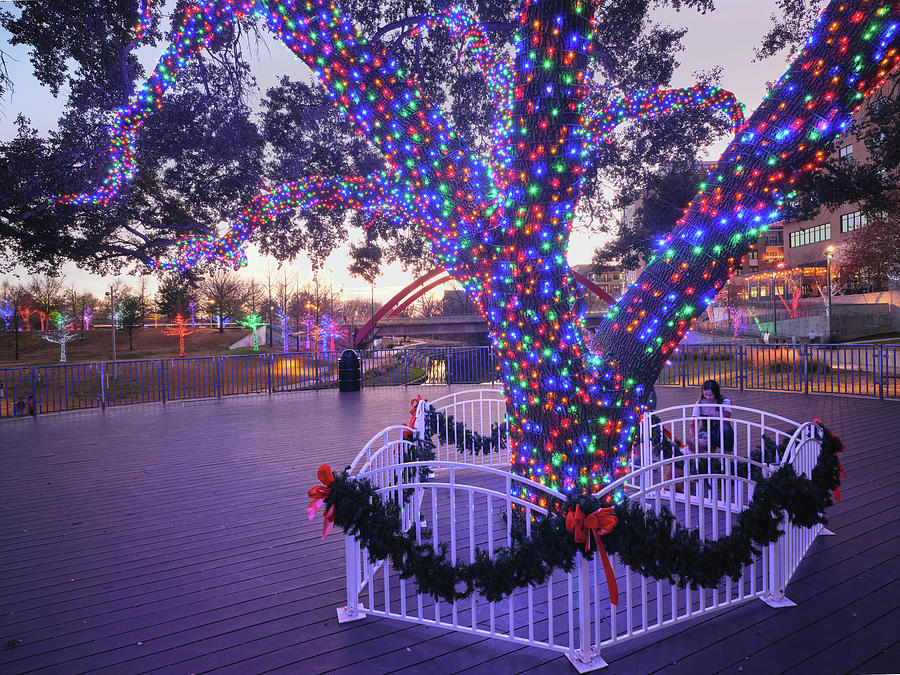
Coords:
pixel 469 505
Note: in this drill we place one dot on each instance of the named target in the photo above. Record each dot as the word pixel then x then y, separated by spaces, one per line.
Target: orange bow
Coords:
pixel 319 494
pixel 598 523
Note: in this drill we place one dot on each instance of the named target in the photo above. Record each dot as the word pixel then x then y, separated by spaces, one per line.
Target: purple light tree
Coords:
pixel 87 315
pixel 286 331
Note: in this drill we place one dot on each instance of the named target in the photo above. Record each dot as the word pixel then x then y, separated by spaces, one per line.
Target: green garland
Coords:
pixel 450 431
pixel 652 544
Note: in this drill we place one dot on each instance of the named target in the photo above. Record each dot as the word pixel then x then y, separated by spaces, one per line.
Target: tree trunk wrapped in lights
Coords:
pixel 61 335
pixel 500 224
pixel 181 330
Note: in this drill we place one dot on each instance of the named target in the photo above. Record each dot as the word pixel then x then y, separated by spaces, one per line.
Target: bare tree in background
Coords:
pixel 872 253
pixel 46 292
pixel 223 291
pixel 428 305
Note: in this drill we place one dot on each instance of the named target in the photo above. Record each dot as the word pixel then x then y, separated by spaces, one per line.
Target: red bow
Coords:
pixel 319 494
pixel 598 523
pixel 407 435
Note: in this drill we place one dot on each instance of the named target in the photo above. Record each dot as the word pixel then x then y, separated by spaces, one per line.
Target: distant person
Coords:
pixel 31 405
pixel 710 428
pixel 19 407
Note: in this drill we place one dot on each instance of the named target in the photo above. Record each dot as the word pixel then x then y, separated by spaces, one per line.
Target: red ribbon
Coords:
pixel 668 434
pixel 837 490
pixel 841 473
pixel 407 435
pixel 319 494
pixel 598 523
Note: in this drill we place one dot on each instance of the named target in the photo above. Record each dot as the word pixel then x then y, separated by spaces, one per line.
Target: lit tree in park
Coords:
pixel 253 322
pixel 86 316
pixel 311 329
pixel 7 311
pixel 155 317
pixel 43 319
pixel 286 331
pixel 61 335
pixel 327 331
pixel 25 312
pixel 180 329
pixel 499 221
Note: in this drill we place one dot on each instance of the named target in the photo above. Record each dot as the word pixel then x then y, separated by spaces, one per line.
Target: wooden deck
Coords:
pixel 175 538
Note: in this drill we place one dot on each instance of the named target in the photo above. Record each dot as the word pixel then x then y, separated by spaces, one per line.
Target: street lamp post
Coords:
pixel 112 313
pixel 829 253
pixel 774 308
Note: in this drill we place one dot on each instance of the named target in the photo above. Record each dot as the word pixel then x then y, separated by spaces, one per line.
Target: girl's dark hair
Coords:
pixel 713 386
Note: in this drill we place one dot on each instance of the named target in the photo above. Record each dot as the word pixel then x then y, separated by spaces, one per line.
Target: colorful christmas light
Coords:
pixel 26 312
pixel 286 331
pixel 253 322
pixel 7 311
pixel 61 335
pixel 500 224
pixel 180 329
pixel 86 315
pixel 326 332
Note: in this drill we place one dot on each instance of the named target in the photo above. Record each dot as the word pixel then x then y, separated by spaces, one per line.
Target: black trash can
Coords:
pixel 349 371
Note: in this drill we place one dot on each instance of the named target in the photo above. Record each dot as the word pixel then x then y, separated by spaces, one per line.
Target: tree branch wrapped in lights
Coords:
pixel 500 224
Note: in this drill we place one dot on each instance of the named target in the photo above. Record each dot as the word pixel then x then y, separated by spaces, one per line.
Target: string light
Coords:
pixel 500 224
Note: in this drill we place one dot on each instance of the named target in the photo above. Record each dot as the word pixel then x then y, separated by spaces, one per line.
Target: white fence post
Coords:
pixel 351 611
pixel 587 657
pixel 777 577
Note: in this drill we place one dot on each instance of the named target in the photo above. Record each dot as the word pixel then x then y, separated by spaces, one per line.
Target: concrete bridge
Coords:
pixel 470 328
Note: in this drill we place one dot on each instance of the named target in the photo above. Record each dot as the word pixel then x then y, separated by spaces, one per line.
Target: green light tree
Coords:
pixel 253 322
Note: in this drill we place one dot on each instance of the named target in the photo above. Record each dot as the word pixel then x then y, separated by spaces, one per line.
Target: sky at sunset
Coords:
pixel 725 37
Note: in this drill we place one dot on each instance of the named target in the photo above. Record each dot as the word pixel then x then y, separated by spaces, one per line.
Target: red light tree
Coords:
pixel 182 329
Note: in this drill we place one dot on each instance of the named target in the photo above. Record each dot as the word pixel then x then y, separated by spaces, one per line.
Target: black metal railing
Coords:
pixel 857 369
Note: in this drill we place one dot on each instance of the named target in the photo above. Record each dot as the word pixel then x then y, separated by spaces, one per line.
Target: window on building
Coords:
pixel 852 221
pixel 810 235
pixel 846 153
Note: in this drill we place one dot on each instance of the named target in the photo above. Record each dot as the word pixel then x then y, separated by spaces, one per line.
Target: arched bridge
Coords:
pixel 428 282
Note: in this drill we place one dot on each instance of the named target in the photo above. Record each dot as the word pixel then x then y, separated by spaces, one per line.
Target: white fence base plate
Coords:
pixel 596 662
pixel 344 617
pixel 773 601
pixel 826 532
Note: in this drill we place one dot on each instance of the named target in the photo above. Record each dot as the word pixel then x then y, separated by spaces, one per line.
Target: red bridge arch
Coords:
pixel 432 280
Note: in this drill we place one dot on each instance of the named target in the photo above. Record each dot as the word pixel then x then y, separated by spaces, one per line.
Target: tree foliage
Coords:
pixel 873 251
pixel 210 129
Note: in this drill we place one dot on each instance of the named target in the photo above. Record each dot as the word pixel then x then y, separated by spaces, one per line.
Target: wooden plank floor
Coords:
pixel 175 538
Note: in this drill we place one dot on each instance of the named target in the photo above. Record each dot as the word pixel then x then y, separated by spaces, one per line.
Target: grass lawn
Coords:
pixel 148 343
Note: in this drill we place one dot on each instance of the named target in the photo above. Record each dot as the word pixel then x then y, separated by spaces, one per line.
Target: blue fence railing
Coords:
pixel 861 370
